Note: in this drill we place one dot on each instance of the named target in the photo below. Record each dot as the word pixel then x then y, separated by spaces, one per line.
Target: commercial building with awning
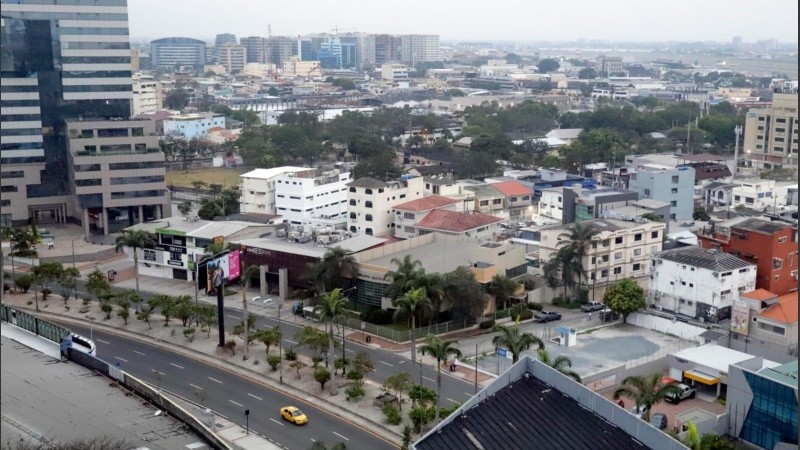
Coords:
pixel 707 364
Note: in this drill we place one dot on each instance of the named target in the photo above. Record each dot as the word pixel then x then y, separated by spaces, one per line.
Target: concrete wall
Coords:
pixel 664 325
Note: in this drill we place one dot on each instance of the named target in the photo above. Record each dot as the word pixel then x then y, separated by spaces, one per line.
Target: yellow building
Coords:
pixel 770 134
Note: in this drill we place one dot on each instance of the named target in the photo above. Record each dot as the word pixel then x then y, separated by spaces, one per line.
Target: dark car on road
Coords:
pixel 659 421
pixel 547 316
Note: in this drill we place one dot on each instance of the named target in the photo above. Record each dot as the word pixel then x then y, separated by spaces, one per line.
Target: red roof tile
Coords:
pixel 426 203
pixel 445 220
pixel 785 311
pixel 759 295
pixel 512 188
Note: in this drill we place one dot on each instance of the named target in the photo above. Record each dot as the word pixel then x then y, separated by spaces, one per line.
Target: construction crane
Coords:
pixel 337 30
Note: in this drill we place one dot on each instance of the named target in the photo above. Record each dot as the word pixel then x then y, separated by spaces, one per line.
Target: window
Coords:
pixel 782 239
pixel 368 217
pixel 683 283
pixel 771 328
pixel 637 252
pixel 777 263
pixel 605 242
pixel 637 237
pixel 604 258
pixel 691 284
pixel 604 273
pixel 675 179
pixel 353 216
pixel 618 240
pixel 647 192
pixel 497 201
pixel 637 267
pixel 352 202
pixel 368 191
pixel 368 231
pixel 408 216
pixel 617 256
pixel 617 270
pixel 368 204
pixel 654 235
pixel 673 191
pixel 352 189
pixel 673 203
pixel 484 203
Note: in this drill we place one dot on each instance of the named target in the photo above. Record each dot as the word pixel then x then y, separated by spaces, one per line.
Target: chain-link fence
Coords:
pixel 403 335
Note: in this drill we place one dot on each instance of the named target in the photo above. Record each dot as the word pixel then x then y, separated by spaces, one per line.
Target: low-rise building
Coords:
pixel 517 203
pixel 305 197
pixel 146 95
pixel 620 249
pixel 765 324
pixel 394 72
pixel 760 195
pixel 770 245
pixel 408 214
pixel 192 126
pixel 294 67
pixel 258 188
pixel 699 283
pixel 371 203
pixel 472 225
pixel 672 185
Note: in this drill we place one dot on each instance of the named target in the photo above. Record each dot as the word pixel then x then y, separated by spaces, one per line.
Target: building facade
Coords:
pixel 303 196
pixel 178 51
pixel 258 188
pixel 78 67
pixel 147 95
pixel 770 134
pixel 771 246
pixel 371 203
pixel 699 283
pixel 192 126
pixel 233 57
pixel 257 49
pixel 672 185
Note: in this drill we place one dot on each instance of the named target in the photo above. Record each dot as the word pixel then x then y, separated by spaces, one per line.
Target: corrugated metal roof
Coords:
pixel 704 258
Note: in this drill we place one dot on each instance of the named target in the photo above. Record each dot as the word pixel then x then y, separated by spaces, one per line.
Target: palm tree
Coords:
pixel 247 273
pixel 412 303
pixel 646 391
pixel 502 288
pixel 575 242
pixel 441 349
pixel 561 364
pixel 433 283
pixel 339 264
pixel 330 310
pixel 514 341
pixel 405 276
pixel 135 239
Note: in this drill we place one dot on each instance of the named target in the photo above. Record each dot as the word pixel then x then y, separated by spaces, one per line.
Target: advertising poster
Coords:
pixel 233 265
pixel 740 317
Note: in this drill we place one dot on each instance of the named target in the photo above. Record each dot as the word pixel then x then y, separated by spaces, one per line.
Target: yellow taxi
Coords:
pixel 294 415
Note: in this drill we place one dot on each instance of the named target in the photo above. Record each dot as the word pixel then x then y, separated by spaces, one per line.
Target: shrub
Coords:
pixel 535 306
pixel 392 414
pixel 522 311
pixel 290 355
pixel 189 333
pixel 6 287
pixel 354 392
pixel 379 316
pixel 24 282
pixel 273 361
pixel 46 293
pixel 322 375
pixel 486 324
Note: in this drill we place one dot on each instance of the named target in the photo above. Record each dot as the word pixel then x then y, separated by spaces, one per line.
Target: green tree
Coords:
pixel 322 375
pixel 502 288
pixel 185 207
pixel 145 311
pixel 625 297
pixel 514 341
pixel 97 283
pixel 68 281
pixel 314 340
pixel 646 391
pixel 269 337
pixel 135 239
pixel 44 274
pixel 441 350
pixel 405 276
pixel 456 93
pixel 587 73
pixel 398 385
pixel 699 213
pixel 177 99
pixel 24 282
pixel 465 294
pixel 548 65
pixel 412 303
pixel 708 441
pixel 331 310
pixel 561 363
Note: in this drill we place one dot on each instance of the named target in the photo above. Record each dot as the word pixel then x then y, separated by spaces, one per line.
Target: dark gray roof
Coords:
pixel 717 184
pixel 704 258
pixel 763 226
pixel 484 190
pixel 527 414
pixel 367 182
pixel 711 335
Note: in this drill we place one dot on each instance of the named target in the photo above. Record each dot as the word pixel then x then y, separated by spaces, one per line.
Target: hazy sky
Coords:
pixel 524 20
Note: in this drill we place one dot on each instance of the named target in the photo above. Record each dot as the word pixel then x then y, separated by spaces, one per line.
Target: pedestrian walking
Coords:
pixel 590 316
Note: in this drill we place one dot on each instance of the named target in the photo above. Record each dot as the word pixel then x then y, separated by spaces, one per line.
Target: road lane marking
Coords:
pixel 348 350
pixel 123 360
pixel 232 317
pixel 215 380
pixel 251 395
pixel 196 387
pixel 448 398
pixel 468 394
pixel 340 436
pixel 429 379
pixel 291 342
pixel 237 404
pixel 139 353
pixel 279 423
pixel 173 364
pixel 384 362
pixel 104 342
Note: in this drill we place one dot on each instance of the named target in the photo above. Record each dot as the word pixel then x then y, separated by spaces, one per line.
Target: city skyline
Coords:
pixel 617 21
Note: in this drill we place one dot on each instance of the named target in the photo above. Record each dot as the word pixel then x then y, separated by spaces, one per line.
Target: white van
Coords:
pixel 84 345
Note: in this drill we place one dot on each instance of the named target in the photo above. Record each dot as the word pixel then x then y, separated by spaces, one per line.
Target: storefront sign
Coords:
pixel 171 248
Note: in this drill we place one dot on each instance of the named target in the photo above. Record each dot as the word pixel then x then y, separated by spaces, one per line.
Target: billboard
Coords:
pixel 233 265
pixel 740 317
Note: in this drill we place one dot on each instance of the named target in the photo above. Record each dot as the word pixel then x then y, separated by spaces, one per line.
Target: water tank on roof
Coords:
pixel 407 177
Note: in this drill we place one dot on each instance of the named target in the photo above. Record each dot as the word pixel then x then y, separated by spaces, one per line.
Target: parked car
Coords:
pixel 639 411
pixel 294 415
pixel 607 315
pixel 659 421
pixel 592 306
pixel 547 316
pixel 686 392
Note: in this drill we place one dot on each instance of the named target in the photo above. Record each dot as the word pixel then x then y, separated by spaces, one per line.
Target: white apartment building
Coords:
pixel 551 205
pixel 147 96
pixel 303 196
pixel 258 188
pixel 759 194
pixel 192 126
pixel 233 57
pixel 415 48
pixel 619 250
pixel 371 203
pixel 394 72
pixel 699 283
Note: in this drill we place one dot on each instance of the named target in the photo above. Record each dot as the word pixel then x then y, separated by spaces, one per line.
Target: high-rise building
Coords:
pixel 387 49
pixel 737 42
pixel 222 39
pixel 233 57
pixel 416 48
pixel 178 51
pixel 147 95
pixel 257 49
pixel 770 134
pixel 282 48
pixel 365 51
pixel 65 92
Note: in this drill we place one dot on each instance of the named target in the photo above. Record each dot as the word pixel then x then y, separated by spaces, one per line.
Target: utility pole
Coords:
pixel 738 131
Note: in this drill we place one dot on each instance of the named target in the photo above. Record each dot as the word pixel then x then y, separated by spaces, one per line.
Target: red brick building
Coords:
pixel 771 246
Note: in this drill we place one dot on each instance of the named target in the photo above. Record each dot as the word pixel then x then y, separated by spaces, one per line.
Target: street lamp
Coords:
pixel 91 320
pixel 738 131
pixel 476 361
pixel 280 344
